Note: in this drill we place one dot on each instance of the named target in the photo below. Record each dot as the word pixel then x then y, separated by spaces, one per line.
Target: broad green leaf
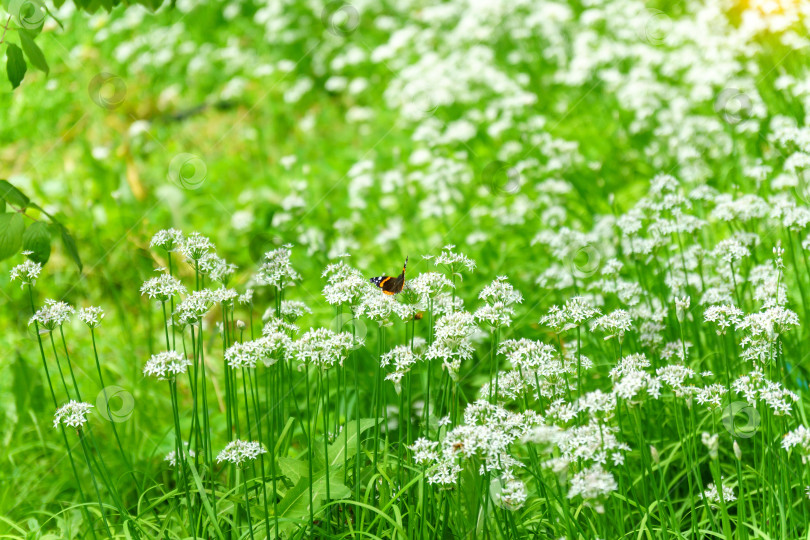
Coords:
pixel 295 505
pixel 15 65
pixel 37 239
pixel 294 469
pixel 70 246
pixel 347 441
pixel 33 52
pixel 12 195
pixel 11 234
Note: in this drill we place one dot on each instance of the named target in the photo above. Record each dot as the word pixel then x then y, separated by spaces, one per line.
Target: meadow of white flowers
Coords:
pixel 634 366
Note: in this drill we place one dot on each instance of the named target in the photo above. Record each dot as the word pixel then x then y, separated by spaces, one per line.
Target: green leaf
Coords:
pixel 295 504
pixel 37 239
pixel 33 52
pixel 15 65
pixel 11 233
pixel 70 246
pixel 12 195
pixel 294 469
pixel 347 441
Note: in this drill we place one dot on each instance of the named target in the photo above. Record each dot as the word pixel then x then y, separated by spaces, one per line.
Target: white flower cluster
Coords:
pixel 573 313
pixel 322 347
pixel 402 358
pixel 755 387
pixel 162 288
pixel 276 269
pixel 452 341
pixel 486 434
pixel 167 239
pixel 238 452
pixel 52 315
pixel 193 307
pixel 166 365
pixel 27 272
pixel 798 438
pixel 499 296
pixel 72 414
pixel 344 284
pixel 91 316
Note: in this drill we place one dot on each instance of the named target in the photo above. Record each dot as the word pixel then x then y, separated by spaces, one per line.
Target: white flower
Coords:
pixel 512 494
pixel 245 354
pixel 166 365
pixel 322 347
pixel 452 341
pixel 455 261
pixel 799 437
pixel 91 316
pixel 168 239
pixel 194 307
pixel 424 450
pixel 73 414
pixel 52 315
pixel 380 307
pixel 592 484
pixel 171 457
pixel 276 268
pixel 344 284
pixel 713 498
pixel 429 284
pixel 238 452
pixel 402 358
pixel 724 316
pixel 27 272
pixel 574 312
pixel 615 324
pixel 196 246
pixel 712 442
pixel 162 287
pixel 292 310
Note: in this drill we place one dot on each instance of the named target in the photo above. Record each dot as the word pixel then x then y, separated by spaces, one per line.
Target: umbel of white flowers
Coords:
pixel 72 414
pixel 238 452
pixel 166 364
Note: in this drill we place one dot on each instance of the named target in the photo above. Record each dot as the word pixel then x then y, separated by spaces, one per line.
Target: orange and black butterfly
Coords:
pixel 391 285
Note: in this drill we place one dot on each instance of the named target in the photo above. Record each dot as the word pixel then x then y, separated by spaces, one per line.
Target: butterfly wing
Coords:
pixel 391 285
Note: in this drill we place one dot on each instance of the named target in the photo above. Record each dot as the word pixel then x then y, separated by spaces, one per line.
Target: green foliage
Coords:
pixel 36 238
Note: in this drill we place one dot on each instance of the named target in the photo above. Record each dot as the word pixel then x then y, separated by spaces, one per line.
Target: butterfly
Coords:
pixel 391 285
